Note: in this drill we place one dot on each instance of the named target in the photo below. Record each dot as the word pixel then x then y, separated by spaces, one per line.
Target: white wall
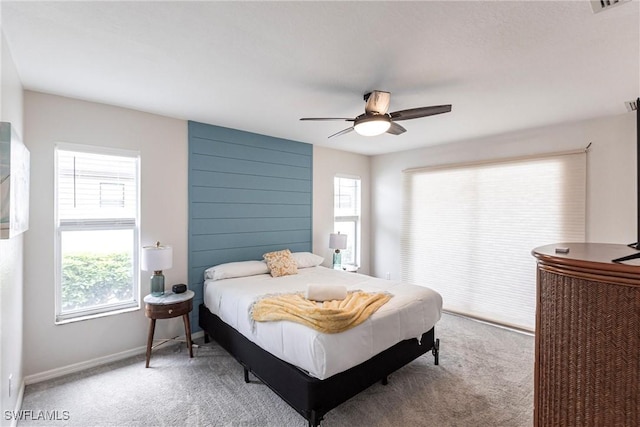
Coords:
pixel 611 178
pixel 11 255
pixel 162 143
pixel 326 164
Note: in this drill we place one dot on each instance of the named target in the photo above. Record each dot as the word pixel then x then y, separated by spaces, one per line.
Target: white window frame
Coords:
pixel 93 225
pixel 356 219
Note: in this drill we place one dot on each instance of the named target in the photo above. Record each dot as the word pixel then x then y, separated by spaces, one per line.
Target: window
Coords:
pixel 96 214
pixel 346 208
pixel 468 231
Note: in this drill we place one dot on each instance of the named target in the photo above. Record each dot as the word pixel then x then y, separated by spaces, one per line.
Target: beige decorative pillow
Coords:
pixel 281 263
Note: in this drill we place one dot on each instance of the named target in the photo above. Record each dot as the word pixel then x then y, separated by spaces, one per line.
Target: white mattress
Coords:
pixel 411 311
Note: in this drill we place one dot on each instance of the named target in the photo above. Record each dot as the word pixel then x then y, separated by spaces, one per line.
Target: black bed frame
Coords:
pixel 311 397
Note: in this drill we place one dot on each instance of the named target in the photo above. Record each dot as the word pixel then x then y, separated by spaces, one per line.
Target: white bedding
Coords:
pixel 411 311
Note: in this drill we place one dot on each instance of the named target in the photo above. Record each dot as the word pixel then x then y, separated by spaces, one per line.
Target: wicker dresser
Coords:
pixel 587 370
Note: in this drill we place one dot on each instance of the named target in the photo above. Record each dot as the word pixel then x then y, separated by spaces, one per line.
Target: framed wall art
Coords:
pixel 14 183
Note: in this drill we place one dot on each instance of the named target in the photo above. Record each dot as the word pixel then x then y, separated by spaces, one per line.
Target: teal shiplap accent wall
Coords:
pixel 248 194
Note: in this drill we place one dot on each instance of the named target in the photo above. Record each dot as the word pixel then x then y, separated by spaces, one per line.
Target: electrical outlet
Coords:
pixel 388 276
pixel 10 378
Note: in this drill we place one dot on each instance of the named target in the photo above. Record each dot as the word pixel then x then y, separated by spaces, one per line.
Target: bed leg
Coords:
pixel 207 338
pixel 436 351
pixel 246 375
pixel 314 419
pixel 385 380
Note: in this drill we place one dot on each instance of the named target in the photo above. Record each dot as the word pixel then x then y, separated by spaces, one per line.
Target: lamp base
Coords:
pixel 337 260
pixel 157 284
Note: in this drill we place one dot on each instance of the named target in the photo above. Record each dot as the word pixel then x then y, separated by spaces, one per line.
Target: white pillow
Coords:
pixel 306 259
pixel 236 269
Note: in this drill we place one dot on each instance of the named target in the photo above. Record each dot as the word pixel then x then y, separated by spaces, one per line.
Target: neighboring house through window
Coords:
pixel 96 240
pixel 346 208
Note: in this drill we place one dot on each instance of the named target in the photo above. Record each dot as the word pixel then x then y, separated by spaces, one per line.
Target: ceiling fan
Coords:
pixel 376 120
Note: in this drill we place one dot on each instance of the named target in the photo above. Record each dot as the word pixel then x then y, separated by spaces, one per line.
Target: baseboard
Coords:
pixel 88 364
pixel 81 366
pixel 491 323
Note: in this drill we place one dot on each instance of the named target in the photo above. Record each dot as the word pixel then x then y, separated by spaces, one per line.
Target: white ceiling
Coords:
pixel 260 66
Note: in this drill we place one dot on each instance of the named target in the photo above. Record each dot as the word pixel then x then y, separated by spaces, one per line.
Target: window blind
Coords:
pixel 468 231
pixel 96 187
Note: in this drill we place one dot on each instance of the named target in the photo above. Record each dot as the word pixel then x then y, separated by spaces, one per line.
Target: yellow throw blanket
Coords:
pixel 328 317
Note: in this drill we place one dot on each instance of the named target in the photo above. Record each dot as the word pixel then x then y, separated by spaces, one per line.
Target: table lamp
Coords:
pixel 337 241
pixel 157 258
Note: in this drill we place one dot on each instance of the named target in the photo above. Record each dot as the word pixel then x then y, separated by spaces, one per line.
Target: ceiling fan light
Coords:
pixel 372 126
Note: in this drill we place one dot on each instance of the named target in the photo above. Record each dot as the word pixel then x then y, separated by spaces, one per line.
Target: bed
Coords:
pixel 312 371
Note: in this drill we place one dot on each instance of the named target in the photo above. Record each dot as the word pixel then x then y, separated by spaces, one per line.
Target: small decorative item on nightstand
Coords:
pixel 157 258
pixel 180 288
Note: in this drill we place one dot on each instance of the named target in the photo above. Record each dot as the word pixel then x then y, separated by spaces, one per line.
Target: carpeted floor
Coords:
pixel 485 378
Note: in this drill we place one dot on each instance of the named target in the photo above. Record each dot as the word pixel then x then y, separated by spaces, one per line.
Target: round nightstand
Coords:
pixel 350 268
pixel 168 306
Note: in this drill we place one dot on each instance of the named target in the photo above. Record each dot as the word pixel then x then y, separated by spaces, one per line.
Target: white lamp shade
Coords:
pixel 156 258
pixel 338 241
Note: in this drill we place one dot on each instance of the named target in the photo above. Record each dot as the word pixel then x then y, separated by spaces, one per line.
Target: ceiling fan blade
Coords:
pixel 328 118
pixel 342 132
pixel 377 102
pixel 415 113
pixel 396 129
